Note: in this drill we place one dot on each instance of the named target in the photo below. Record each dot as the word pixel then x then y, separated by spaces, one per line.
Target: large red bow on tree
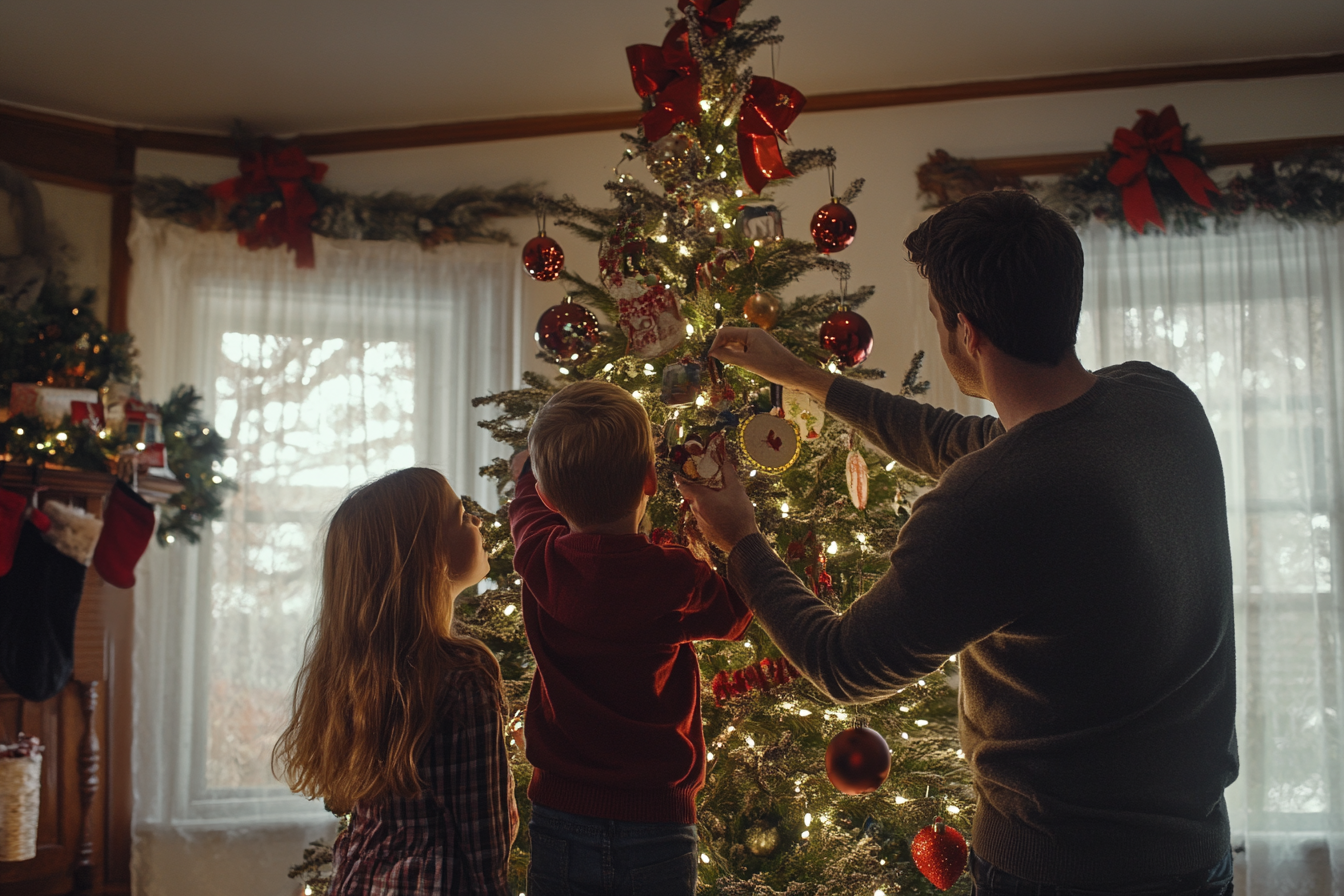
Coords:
pixel 287 221
pixel 1160 135
pixel 672 78
pixel 768 109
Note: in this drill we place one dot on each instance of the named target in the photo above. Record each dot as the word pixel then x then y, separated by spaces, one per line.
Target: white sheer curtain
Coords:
pixel 1253 321
pixel 320 380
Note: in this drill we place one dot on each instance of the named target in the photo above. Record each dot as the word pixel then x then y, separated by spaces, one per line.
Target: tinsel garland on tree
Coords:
pixel 60 342
pixel 460 216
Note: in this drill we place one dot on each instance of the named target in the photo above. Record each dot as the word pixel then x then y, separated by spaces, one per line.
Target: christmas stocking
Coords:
pixel 12 506
pixel 128 523
pixel 39 598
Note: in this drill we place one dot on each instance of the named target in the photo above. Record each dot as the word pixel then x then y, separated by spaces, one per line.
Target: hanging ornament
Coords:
pixel 649 310
pixel 858 760
pixel 768 439
pixel 848 336
pixel 856 477
pixel 681 382
pixel 940 853
pixel 833 226
pixel 808 414
pixel 543 259
pixel 673 158
pixel 568 331
pixel 762 839
pixel 762 309
pixel 768 108
pixel 760 223
pixel 703 460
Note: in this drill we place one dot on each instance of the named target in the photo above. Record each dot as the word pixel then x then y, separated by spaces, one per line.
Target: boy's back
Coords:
pixel 613 719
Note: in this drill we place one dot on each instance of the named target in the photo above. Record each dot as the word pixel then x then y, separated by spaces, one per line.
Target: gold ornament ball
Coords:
pixel 762 309
pixel 762 840
pixel 672 158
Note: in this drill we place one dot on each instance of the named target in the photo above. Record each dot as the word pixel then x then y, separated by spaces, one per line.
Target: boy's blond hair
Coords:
pixel 591 446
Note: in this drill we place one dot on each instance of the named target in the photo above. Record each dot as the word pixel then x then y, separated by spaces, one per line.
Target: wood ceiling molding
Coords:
pixel 480 131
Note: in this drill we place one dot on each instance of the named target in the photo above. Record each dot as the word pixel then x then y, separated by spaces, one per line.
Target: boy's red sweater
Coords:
pixel 613 718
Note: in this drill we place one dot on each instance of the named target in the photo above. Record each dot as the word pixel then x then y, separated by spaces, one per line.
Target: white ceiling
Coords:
pixel 287 66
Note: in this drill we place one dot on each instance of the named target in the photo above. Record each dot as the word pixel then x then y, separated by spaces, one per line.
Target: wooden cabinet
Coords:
pixel 84 827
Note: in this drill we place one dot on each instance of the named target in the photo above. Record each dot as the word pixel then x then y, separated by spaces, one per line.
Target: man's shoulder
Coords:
pixel 1143 375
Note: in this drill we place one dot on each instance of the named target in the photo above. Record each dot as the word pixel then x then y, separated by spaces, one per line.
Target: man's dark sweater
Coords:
pixel 613 717
pixel 1079 566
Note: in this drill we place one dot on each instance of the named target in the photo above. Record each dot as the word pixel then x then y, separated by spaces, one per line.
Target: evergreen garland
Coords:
pixel 460 216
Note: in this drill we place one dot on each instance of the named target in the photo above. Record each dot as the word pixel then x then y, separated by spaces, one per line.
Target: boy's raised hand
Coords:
pixel 726 515
pixel 516 463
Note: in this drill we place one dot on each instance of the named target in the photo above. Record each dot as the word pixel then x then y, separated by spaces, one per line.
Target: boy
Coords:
pixel 613 719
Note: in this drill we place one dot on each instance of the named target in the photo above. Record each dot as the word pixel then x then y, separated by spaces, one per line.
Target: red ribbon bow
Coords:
pixel 715 17
pixel 768 109
pixel 287 223
pixel 672 78
pixel 1160 135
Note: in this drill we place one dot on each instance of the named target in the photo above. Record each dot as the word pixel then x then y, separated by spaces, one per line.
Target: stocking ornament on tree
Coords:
pixel 939 853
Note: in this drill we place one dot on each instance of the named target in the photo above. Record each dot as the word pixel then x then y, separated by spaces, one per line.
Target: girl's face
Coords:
pixel 467 563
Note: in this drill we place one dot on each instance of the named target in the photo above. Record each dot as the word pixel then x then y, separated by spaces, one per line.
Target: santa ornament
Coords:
pixel 939 853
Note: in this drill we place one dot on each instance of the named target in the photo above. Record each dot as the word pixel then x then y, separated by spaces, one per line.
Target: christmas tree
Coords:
pixel 700 248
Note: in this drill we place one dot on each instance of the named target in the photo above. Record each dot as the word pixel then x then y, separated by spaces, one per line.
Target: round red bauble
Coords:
pixel 543 258
pixel 568 331
pixel 858 761
pixel 847 336
pixel 833 227
pixel 939 853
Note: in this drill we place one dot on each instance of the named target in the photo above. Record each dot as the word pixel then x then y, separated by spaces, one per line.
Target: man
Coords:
pixel 1074 554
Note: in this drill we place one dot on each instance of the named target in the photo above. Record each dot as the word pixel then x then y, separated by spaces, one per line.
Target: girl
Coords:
pixel 395 718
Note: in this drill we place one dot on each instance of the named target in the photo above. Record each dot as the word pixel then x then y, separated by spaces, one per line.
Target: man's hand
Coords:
pixel 516 463
pixel 756 350
pixel 726 515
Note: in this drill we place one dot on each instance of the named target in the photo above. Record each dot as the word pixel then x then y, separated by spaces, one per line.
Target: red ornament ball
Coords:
pixel 939 853
pixel 847 336
pixel 567 331
pixel 543 258
pixel 833 227
pixel 858 761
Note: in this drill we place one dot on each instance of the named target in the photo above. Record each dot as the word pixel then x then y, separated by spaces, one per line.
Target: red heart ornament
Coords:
pixel 939 853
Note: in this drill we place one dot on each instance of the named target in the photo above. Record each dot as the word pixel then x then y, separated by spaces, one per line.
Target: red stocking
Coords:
pixel 128 523
pixel 12 506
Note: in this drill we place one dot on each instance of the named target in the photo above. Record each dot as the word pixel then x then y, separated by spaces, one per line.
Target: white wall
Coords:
pixel 883 145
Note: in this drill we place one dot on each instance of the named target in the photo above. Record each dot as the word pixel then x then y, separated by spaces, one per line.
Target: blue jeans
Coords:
pixel 576 855
pixel 1215 881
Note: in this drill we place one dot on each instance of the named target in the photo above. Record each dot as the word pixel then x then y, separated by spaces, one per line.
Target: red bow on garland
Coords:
pixel 285 223
pixel 1160 135
pixel 768 109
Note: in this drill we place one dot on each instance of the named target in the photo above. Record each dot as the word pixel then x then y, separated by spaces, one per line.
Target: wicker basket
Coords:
pixel 20 796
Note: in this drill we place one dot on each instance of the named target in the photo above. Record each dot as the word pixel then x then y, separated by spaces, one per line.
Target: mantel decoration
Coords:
pixel 68 388
pixel 279 199
pixel 1157 174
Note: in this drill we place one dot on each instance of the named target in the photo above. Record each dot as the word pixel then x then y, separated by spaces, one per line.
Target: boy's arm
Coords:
pixel 715 611
pixel 528 514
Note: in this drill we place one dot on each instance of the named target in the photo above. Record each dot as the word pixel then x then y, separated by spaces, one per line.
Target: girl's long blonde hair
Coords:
pixel 366 698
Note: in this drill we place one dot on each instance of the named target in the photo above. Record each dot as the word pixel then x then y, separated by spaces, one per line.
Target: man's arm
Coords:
pixel 918 435
pixel 939 595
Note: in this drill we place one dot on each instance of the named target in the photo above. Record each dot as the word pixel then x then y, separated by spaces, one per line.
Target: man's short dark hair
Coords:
pixel 1011 265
